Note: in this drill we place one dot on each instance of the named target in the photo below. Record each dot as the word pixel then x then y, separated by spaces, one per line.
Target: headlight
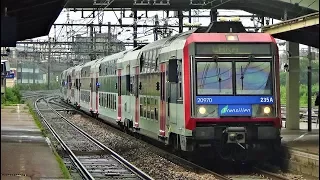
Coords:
pixel 267 110
pixel 202 110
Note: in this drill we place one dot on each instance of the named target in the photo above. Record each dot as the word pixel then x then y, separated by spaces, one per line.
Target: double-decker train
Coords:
pixel 213 90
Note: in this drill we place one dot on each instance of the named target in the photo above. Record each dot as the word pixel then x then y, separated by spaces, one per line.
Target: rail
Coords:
pixel 140 174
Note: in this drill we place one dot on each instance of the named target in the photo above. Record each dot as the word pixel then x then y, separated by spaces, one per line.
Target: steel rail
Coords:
pixel 164 154
pixel 270 175
pixel 83 171
pixel 117 157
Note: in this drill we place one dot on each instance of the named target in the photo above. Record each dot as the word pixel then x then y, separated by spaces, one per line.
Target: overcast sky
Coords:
pixel 126 33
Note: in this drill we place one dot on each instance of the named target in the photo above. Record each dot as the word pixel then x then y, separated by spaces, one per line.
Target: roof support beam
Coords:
pixel 293 24
pixel 310 4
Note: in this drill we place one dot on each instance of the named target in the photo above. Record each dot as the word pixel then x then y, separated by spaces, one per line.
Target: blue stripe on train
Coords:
pixel 235 99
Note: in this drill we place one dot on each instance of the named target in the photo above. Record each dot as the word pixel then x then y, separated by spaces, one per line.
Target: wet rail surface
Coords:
pixel 92 159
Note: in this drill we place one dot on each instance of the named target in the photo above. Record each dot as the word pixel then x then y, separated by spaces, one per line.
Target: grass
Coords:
pixel 37 120
pixel 64 169
pixel 62 166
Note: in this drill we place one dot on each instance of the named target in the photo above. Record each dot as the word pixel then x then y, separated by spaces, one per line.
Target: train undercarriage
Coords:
pixel 242 143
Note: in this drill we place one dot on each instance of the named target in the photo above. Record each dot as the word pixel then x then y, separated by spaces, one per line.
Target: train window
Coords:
pixel 156 114
pixel 110 101
pixel 152 113
pixel 180 90
pixel 103 99
pixel 107 101
pixel 141 110
pixel 141 62
pixel 115 102
pixel 214 78
pixel 148 111
pixel 253 78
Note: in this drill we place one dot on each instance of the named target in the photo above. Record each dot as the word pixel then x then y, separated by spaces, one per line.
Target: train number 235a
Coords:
pixel 266 99
pixel 204 100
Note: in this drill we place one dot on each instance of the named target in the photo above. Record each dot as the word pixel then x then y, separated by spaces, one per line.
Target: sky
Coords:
pixel 60 32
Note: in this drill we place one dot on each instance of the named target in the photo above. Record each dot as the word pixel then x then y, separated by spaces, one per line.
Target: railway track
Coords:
pixel 91 159
pixel 255 174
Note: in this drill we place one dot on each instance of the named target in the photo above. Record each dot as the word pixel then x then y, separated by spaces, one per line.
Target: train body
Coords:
pixel 207 90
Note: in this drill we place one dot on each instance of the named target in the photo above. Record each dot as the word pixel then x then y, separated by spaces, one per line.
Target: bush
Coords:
pixel 303 93
pixel 12 96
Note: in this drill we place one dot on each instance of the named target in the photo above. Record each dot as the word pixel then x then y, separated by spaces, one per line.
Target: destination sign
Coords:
pixel 233 48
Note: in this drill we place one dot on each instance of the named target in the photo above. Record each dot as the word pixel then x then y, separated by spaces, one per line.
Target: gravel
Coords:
pixel 138 153
pixel 72 137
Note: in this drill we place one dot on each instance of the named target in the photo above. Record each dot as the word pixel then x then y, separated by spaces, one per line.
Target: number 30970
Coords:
pixel 204 100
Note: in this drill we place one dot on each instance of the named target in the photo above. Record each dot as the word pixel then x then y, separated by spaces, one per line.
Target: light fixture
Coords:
pixel 202 110
pixel 286 67
pixel 266 110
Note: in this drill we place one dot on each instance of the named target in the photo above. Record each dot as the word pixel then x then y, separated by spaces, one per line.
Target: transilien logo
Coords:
pixel 224 109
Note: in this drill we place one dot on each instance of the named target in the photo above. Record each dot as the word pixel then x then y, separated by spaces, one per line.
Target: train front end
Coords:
pixel 233 90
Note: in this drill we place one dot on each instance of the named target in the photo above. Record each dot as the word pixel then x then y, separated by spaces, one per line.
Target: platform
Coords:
pixel 24 151
pixel 301 149
pixel 302 140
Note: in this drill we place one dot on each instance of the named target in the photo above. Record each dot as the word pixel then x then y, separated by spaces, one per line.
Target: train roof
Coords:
pixel 132 54
pixel 90 63
pixel 115 56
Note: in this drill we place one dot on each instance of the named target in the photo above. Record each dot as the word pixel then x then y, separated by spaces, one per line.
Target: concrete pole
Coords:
pixel 293 88
pixel 49 61
pixel 309 91
pixel 33 66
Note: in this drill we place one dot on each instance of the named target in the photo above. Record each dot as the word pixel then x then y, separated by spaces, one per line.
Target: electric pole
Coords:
pixel 109 39
pixel 49 56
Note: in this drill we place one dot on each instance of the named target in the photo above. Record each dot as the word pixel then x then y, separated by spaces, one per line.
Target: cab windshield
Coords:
pixel 234 77
pixel 214 78
pixel 253 78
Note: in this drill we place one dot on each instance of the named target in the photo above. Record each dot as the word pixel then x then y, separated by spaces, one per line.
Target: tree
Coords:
pixel 304 62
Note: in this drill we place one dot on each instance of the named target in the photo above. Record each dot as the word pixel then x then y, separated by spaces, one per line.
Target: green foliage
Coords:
pixel 37 87
pixel 304 73
pixel 12 96
pixel 303 93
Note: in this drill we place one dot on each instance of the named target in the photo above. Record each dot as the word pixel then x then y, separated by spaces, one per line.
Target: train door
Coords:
pixel 69 88
pixel 79 87
pixel 136 94
pixel 91 92
pixel 172 90
pixel 97 85
pixel 163 116
pixel 119 96
pixel 127 102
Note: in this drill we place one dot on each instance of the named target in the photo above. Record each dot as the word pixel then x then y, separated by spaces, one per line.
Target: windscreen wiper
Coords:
pixel 215 58
pixel 219 79
pixel 243 72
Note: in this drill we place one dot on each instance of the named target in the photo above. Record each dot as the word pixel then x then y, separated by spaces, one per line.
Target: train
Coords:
pixel 212 91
